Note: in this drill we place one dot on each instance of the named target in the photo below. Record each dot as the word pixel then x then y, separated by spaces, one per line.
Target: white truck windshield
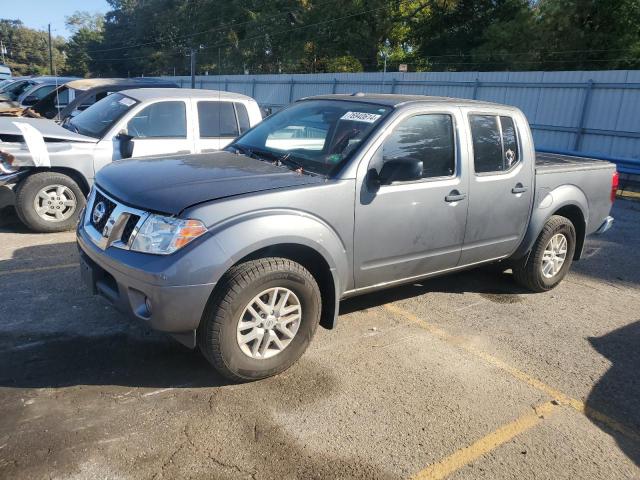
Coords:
pixel 96 120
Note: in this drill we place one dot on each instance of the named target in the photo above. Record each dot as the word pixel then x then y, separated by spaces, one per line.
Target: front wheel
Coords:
pixel 49 202
pixel 550 257
pixel 260 319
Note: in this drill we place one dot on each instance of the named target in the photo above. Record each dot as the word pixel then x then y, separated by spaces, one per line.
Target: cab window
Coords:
pixel 495 143
pixel 428 138
pixel 243 117
pixel 160 120
pixel 217 119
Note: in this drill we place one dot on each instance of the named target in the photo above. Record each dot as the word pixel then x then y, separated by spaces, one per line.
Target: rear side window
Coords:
pixel 243 117
pixel 509 142
pixel 160 120
pixel 495 143
pixel 425 137
pixel 217 119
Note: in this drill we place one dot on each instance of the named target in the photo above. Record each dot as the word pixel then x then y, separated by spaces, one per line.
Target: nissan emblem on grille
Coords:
pixel 98 212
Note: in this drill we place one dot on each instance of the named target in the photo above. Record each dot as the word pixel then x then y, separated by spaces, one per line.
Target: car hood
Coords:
pixel 49 129
pixel 171 184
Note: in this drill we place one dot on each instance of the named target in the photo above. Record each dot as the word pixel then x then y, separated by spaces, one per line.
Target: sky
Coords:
pixel 38 13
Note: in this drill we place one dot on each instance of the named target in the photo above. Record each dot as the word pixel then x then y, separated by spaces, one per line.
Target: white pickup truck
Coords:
pixel 51 167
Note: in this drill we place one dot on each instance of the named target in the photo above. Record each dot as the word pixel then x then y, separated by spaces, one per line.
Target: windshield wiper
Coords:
pixel 250 152
pixel 275 158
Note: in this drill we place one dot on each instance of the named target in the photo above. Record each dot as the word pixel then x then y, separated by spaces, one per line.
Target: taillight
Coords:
pixel 615 181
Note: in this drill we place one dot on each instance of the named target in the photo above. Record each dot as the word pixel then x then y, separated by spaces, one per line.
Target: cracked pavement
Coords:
pixel 87 394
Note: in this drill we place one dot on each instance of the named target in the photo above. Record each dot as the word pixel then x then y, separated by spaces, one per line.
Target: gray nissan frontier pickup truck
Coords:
pixel 242 253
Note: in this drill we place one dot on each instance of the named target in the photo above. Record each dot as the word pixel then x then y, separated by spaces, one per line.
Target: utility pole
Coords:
pixel 193 67
pixel 50 53
pixel 2 50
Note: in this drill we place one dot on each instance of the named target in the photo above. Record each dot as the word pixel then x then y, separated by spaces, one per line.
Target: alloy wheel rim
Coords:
pixel 55 203
pixel 269 323
pixel 554 255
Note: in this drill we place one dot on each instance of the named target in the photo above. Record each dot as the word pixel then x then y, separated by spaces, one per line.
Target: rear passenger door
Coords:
pixel 160 128
pixel 219 123
pixel 501 185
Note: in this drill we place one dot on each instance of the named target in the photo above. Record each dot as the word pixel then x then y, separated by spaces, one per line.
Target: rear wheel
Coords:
pixel 550 257
pixel 49 202
pixel 261 319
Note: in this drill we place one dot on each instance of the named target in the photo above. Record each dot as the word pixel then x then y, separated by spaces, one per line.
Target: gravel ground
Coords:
pixel 467 376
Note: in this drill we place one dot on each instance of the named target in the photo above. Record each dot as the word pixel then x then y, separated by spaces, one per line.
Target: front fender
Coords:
pixel 547 203
pixel 235 238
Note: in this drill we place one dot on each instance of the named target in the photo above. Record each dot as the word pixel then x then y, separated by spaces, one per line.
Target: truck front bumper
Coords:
pixel 606 225
pixel 143 295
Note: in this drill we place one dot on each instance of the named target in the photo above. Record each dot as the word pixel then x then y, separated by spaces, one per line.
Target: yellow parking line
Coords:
pixel 466 455
pixel 557 395
pixel 39 269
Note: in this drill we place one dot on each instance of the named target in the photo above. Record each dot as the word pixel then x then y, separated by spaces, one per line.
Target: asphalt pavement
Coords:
pixel 466 376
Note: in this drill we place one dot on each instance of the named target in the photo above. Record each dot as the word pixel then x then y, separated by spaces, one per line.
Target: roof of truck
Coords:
pixel 88 83
pixel 143 94
pixel 395 100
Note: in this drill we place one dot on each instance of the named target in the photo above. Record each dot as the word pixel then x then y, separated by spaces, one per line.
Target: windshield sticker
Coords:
pixel 127 102
pixel 35 143
pixel 360 117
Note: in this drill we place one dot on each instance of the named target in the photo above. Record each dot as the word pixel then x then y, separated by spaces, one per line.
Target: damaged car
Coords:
pixel 73 97
pixel 51 167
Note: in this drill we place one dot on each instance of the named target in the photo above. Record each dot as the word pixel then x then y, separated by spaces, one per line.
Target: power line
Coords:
pixel 288 30
pixel 216 29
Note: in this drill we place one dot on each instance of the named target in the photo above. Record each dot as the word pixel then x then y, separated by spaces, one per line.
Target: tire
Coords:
pixel 66 201
pixel 531 272
pixel 219 338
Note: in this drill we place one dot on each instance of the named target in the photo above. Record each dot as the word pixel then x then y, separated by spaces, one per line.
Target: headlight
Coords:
pixel 164 235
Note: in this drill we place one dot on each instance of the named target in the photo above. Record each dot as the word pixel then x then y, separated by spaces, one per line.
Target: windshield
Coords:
pixel 5 83
pixel 96 120
pixel 40 92
pixel 50 103
pixel 316 135
pixel 12 92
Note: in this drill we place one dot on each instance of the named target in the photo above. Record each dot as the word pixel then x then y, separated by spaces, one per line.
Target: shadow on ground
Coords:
pixel 139 359
pixel 492 285
pixel 617 393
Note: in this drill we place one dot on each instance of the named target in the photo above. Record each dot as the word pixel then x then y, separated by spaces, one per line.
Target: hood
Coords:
pixel 171 184
pixel 47 128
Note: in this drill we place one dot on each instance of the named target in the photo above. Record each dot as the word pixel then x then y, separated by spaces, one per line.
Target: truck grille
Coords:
pixel 129 228
pixel 111 223
pixel 109 207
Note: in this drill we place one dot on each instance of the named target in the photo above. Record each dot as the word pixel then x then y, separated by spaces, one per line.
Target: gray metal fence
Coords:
pixel 593 113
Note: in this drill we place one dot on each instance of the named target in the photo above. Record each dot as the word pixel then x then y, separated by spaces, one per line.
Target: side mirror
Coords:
pixel 30 101
pixel 400 170
pixel 126 145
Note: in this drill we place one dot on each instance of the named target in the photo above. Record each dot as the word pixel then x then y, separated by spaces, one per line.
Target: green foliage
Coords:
pixel 87 36
pixel 156 37
pixel 28 49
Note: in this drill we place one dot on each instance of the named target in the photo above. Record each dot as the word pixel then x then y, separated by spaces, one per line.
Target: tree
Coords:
pixel 590 34
pixel 87 35
pixel 455 28
pixel 28 49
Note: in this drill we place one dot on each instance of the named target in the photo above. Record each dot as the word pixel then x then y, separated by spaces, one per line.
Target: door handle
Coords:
pixel 519 188
pixel 455 196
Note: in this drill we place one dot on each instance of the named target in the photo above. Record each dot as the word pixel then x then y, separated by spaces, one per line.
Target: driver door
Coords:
pixel 160 128
pixel 410 229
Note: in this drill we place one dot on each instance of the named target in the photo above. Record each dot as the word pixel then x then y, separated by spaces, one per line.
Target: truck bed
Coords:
pixel 589 176
pixel 555 163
